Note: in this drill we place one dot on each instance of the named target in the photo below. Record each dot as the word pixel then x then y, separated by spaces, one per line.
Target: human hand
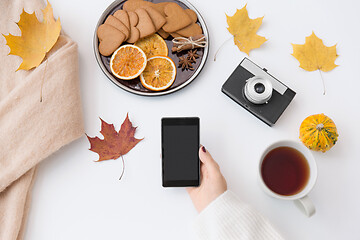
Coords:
pixel 212 184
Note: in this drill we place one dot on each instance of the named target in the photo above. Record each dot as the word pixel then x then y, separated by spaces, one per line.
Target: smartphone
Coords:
pixel 180 151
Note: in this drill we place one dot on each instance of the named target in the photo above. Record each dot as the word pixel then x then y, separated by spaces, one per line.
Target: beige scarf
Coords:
pixel 31 130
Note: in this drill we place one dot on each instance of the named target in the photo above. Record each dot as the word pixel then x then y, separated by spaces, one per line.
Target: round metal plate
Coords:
pixel 183 78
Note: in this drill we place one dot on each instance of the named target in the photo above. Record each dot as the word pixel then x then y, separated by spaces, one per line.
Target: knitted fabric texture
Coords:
pixel 31 130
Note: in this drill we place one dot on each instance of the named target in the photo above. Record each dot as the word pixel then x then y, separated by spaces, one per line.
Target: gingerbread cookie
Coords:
pixel 192 14
pixel 160 7
pixel 163 34
pixel 174 35
pixel 110 39
pixel 145 24
pixel 116 23
pixel 133 18
pixel 176 18
pixel 191 30
pixel 131 6
pixel 123 17
pixel 134 35
pixel 157 19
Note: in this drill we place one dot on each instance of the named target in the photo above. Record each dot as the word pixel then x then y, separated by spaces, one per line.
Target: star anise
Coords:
pixel 185 63
pixel 192 55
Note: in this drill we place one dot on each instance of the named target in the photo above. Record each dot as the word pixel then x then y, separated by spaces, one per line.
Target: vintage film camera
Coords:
pixel 258 92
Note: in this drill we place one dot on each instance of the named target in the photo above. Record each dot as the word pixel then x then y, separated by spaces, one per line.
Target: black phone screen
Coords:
pixel 180 146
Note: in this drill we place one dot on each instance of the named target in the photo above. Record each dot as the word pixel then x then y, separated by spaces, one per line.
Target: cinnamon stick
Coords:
pixel 181 44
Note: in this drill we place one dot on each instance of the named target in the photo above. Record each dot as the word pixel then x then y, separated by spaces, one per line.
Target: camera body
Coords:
pixel 258 92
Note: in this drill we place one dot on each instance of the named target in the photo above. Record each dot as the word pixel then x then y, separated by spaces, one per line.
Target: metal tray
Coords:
pixel 183 78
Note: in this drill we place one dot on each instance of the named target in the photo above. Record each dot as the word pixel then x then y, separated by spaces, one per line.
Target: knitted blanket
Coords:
pixel 31 130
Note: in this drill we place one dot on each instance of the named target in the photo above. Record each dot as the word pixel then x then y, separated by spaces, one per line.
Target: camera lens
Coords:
pixel 259 88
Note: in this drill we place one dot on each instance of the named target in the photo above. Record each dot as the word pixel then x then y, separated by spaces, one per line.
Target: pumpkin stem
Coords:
pixel 320 126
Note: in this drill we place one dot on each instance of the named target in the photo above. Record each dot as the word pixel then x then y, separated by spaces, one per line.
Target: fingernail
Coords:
pixel 203 149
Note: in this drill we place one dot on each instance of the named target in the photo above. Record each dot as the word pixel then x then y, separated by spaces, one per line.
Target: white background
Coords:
pixel 77 198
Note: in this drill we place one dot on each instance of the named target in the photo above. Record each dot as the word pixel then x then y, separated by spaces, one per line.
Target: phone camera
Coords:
pixel 258 90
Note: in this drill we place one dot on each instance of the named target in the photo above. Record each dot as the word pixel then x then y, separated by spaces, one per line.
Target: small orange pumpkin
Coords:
pixel 318 132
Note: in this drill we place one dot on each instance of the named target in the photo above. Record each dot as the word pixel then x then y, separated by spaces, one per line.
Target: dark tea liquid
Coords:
pixel 285 171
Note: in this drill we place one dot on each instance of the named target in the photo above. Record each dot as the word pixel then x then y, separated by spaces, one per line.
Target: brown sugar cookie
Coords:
pixel 133 18
pixel 131 6
pixel 174 35
pixel 192 14
pixel 134 35
pixel 176 18
pixel 110 39
pixel 123 17
pixel 116 23
pixel 163 34
pixel 191 30
pixel 157 19
pixel 160 7
pixel 145 24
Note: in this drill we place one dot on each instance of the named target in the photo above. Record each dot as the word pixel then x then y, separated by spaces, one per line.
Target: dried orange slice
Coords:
pixel 153 45
pixel 128 62
pixel 159 74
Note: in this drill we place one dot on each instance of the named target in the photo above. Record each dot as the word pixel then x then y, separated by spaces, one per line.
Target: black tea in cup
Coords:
pixel 285 171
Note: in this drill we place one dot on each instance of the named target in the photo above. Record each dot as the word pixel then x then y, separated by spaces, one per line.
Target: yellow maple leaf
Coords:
pixel 244 30
pixel 314 55
pixel 37 38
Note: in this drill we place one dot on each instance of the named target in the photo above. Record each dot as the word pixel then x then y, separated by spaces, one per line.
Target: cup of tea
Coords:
pixel 288 171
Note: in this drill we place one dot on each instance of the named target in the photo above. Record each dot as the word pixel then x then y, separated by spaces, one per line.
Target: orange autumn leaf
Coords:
pixel 37 38
pixel 114 144
pixel 244 30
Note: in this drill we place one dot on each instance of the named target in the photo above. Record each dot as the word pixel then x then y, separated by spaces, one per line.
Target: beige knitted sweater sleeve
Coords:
pixel 227 218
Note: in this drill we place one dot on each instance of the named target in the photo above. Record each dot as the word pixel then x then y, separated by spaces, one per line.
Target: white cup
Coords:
pixel 301 200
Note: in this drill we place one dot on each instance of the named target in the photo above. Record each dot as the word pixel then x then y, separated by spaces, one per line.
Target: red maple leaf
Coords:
pixel 115 144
